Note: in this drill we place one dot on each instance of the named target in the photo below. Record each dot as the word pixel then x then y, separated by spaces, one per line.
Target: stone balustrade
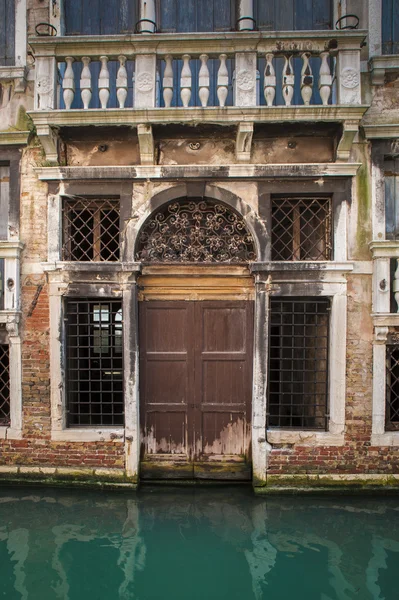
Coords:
pixel 246 69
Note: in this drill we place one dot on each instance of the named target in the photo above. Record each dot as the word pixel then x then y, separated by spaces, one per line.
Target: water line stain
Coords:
pixel 189 544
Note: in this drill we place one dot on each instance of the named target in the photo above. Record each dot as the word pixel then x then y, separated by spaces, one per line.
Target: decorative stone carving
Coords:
pixel 223 80
pixel 203 81
pixel 167 81
pixel 269 85
pixel 185 81
pixel 245 80
pixel 381 334
pixel 12 327
pixel 121 82
pixel 85 82
pixel 144 82
pixel 68 83
pixel 350 78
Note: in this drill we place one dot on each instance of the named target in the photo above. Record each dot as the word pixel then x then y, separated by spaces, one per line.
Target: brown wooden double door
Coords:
pixel 196 389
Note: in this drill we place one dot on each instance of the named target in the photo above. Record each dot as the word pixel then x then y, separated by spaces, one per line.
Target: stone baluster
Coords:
pixel 288 80
pixel 167 81
pixel 85 82
pixel 325 78
pixel 396 285
pixel 185 81
pixel 203 81
pixel 223 80
pixel 306 79
pixel 121 82
pixel 103 82
pixel 269 85
pixel 68 83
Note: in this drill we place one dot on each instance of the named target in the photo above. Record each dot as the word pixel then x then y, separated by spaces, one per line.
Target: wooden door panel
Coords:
pixel 166 379
pixel 196 388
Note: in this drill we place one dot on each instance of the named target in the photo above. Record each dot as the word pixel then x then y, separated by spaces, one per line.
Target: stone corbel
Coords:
pixel 244 141
pixel 49 140
pixel 350 129
pixel 12 326
pixel 146 144
pixel 380 335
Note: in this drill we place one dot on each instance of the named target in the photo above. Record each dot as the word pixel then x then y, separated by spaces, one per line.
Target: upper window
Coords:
pixel 390 27
pixel 90 230
pixel 195 231
pixel 100 17
pixel 301 229
pixel 289 15
pixel 7 32
pixel 391 168
pixel 194 15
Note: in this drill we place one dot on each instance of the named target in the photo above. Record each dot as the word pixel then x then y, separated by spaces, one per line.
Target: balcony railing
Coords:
pixel 246 69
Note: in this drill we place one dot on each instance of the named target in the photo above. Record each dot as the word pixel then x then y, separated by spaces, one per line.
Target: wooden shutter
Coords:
pixel 390 27
pixel 195 16
pixel 7 32
pixel 100 17
pixel 291 15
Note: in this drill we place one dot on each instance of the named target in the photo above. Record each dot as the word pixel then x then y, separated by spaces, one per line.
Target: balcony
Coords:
pixel 222 78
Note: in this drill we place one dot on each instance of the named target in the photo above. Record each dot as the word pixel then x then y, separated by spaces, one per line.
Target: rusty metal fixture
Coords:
pixel 4 384
pixel 90 230
pixel 392 388
pixel 301 229
pixel 45 30
pixel 298 363
pixel 352 22
pixel 195 231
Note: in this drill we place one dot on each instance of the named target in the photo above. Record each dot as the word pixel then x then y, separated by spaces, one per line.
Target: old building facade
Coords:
pixel 198 241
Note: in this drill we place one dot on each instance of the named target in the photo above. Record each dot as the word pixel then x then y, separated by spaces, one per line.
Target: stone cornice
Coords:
pixel 172 172
pixel 385 249
pixel 381 65
pixel 194 115
pixel 14 138
pixel 10 249
pixel 196 43
pixel 381 131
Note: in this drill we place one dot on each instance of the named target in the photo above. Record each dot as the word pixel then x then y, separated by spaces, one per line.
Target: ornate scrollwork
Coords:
pixel 195 231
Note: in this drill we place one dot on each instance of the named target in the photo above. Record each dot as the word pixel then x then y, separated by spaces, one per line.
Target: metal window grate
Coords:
pixel 298 363
pixel 94 362
pixel 301 229
pixel 4 384
pixel 90 230
pixel 392 388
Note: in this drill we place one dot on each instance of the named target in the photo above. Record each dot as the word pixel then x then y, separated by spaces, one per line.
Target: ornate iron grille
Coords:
pixel 94 362
pixel 298 363
pixel 90 230
pixel 4 384
pixel 301 229
pixel 392 388
pixel 195 231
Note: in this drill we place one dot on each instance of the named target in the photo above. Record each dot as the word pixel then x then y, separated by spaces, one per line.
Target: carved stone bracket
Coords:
pixel 381 335
pixel 12 326
pixel 244 141
pixel 350 129
pixel 49 140
pixel 146 143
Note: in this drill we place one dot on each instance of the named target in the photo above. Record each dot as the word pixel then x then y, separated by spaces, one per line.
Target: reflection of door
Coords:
pixel 195 388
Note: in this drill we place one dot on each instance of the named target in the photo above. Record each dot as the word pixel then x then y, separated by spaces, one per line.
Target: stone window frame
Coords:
pixel 63 278
pixel 10 315
pixel 383 251
pixel 17 72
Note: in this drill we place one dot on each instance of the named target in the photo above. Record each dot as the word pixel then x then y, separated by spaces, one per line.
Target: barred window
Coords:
pixel 298 363
pixel 4 384
pixel 301 229
pixel 392 388
pixel 94 362
pixel 90 230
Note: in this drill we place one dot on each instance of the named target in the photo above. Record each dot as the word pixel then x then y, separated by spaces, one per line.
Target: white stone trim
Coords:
pixel 337 374
pixel 89 435
pixel 375 25
pixel 20 33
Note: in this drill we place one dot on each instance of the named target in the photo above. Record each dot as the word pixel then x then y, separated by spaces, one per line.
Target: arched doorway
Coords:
pixel 196 341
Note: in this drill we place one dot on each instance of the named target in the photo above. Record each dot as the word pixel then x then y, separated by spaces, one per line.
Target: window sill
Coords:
pixel 389 438
pixel 88 435
pixel 305 438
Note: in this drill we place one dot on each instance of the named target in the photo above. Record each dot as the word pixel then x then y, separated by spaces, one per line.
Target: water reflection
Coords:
pixel 196 544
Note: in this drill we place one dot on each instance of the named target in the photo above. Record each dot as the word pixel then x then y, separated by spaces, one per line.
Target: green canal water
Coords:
pixel 208 544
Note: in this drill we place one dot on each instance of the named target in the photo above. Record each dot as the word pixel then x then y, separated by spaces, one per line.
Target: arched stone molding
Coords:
pixel 198 190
